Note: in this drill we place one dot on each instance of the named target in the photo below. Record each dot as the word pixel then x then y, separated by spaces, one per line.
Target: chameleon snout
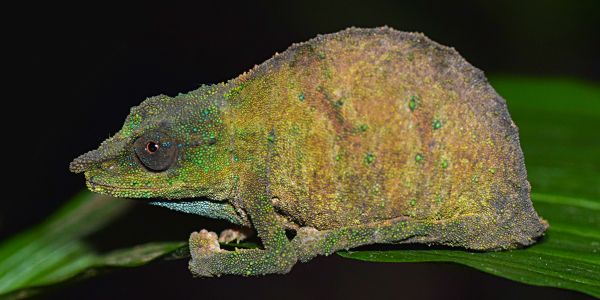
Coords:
pixel 83 162
pixel 107 151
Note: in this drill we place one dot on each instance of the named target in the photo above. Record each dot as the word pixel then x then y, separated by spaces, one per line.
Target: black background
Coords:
pixel 76 68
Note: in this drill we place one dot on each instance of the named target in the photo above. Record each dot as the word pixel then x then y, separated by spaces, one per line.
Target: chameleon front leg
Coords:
pixel 209 260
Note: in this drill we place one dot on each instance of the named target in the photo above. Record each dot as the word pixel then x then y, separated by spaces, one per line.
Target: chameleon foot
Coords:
pixel 203 246
pixel 237 234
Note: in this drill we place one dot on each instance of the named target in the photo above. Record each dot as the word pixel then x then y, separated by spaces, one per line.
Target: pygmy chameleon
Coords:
pixel 353 138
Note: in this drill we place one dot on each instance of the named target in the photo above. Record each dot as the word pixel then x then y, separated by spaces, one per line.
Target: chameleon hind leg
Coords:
pixel 471 231
pixel 310 242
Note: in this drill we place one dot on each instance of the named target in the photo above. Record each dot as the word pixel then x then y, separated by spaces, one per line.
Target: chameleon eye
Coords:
pixel 151 147
pixel 155 150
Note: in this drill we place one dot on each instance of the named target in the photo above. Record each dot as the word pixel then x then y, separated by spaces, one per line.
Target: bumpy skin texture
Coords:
pixel 358 137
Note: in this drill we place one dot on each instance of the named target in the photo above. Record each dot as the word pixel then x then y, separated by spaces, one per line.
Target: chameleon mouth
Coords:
pixel 97 187
pixel 137 191
pixel 110 190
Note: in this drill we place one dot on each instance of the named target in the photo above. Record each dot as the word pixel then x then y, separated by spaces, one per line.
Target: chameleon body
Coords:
pixel 358 137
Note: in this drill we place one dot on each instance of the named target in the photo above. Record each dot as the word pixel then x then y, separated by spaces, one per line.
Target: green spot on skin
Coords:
pixel 444 164
pixel 492 171
pixel 412 202
pixel 437 125
pixel 418 157
pixel 410 58
pixel 302 97
pixel 508 138
pixel 439 199
pixel 363 128
pixel 368 158
pixel 412 104
pixel 474 136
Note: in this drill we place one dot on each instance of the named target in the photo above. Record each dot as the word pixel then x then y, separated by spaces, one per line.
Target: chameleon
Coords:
pixel 358 137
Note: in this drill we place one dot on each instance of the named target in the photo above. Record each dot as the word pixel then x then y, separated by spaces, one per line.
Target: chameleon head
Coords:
pixel 161 152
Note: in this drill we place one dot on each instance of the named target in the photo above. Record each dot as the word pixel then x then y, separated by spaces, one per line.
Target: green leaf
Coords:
pixel 54 252
pixel 559 121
